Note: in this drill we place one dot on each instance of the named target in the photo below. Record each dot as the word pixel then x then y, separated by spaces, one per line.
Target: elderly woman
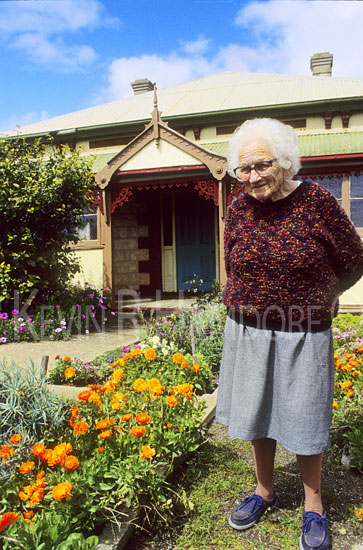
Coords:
pixel 290 251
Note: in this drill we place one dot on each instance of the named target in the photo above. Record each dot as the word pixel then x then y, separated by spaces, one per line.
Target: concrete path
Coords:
pixel 85 347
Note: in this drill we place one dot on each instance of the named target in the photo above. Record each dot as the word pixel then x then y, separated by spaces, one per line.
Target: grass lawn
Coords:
pixel 220 474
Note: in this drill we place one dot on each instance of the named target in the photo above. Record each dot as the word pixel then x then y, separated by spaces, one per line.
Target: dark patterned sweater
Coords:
pixel 288 261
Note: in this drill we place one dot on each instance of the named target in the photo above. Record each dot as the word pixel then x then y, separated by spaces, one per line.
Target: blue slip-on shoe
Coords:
pixel 315 534
pixel 250 511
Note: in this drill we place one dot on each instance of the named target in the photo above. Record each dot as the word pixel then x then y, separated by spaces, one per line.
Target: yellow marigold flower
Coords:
pixel 335 383
pixel 155 386
pixel 147 452
pixel 178 358
pixel 61 491
pixel 184 389
pixel 66 358
pixel 346 385
pixel 6 452
pixel 358 512
pixel 150 354
pixel 339 363
pixel 26 467
pixel 172 401
pixel 63 448
pixel 84 395
pixel 71 462
pixel 139 385
pixel 105 435
pixel 69 373
pixel 348 356
pixel 103 424
pixel 137 431
pixel 350 393
pixel 7 519
pixel 335 405
pixel 110 386
pixel 80 427
pixel 37 449
pixel 336 355
pixel 126 417
pixel 143 418
pixel 16 439
pixel 117 375
pixel 135 352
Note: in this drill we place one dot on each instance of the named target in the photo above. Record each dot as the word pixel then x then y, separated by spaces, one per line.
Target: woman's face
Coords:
pixel 263 187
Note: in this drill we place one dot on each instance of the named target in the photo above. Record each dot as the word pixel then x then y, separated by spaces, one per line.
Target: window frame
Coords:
pixel 85 244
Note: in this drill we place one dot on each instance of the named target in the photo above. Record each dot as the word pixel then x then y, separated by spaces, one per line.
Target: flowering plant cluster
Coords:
pixel 56 315
pixel 347 428
pixel 120 441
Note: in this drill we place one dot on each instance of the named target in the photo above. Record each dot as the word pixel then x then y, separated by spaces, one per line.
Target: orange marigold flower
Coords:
pixel 100 449
pixel 117 375
pixel 57 356
pixel 336 355
pixel 37 449
pixel 28 514
pixel 143 418
pixel 135 352
pixel 346 385
pixel 46 455
pixel 63 448
pixel 110 386
pixel 26 467
pixel 71 462
pixel 26 493
pixel 184 365
pixel 335 405
pixel 37 496
pixel 75 410
pixel 80 427
pixel 350 393
pixel 137 431
pixel 6 452
pixel 16 439
pixel 150 354
pixel 348 355
pixel 356 373
pixel 69 373
pixel 196 368
pixel 84 395
pixel 139 385
pixel 40 474
pixel 178 358
pixel 126 417
pixel 358 512
pixel 172 401
pixel 169 425
pixel 147 452
pixel 339 363
pixel 360 350
pixel 105 435
pixel 103 424
pixel 7 519
pixel 66 358
pixel 62 490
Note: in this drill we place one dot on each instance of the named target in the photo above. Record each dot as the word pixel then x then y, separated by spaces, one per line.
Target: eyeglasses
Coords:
pixel 243 172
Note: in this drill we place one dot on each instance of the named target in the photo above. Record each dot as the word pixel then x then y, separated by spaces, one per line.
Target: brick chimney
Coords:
pixel 142 85
pixel 321 64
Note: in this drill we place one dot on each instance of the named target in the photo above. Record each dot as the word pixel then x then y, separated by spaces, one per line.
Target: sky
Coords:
pixel 59 56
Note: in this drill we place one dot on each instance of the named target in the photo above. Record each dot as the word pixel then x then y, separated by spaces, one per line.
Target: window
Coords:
pixel 87 225
pixel 349 192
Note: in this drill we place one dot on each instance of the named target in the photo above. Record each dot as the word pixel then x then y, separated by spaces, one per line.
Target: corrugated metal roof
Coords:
pixel 219 92
pixel 313 145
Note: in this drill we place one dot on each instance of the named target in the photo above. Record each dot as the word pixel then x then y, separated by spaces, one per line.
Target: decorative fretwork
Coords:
pixel 120 197
pixel 208 189
pixel 97 200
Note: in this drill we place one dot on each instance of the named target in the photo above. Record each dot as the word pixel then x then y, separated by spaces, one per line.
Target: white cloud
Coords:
pixel 293 31
pixel 15 120
pixel 276 37
pixel 196 47
pixel 35 28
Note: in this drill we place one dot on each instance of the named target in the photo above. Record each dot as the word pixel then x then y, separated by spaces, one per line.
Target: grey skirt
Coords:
pixel 277 384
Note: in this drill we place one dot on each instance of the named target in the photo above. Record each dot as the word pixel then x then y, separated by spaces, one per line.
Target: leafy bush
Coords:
pixel 43 191
pixel 74 372
pixel 120 443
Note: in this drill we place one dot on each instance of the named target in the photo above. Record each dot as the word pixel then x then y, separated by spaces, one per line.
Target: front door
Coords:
pixel 195 240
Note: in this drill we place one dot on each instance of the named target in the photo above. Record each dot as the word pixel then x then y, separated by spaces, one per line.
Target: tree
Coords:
pixel 43 189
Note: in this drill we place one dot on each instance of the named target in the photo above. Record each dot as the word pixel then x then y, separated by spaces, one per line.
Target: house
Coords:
pixel 160 163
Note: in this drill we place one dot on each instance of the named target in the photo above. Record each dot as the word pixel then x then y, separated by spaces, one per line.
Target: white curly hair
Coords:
pixel 280 138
